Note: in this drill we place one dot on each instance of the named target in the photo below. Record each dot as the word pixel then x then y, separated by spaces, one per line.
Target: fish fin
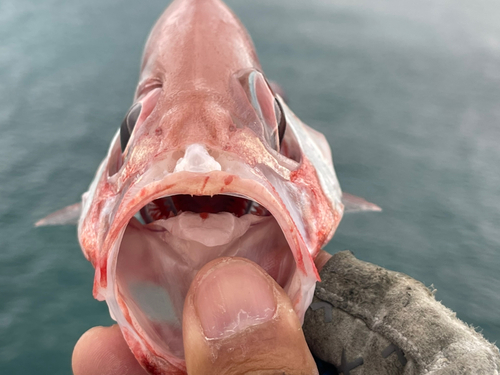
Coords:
pixel 69 215
pixel 353 203
pixel 277 89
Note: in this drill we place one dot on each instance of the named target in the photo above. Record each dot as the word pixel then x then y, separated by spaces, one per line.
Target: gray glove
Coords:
pixel 367 320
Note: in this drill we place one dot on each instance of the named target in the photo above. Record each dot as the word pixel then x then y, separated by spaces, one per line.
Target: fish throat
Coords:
pixel 171 238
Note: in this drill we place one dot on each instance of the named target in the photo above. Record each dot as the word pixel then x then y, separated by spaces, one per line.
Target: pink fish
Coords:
pixel 209 162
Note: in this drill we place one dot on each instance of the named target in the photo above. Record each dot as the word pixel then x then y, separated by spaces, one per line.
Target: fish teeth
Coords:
pixel 166 208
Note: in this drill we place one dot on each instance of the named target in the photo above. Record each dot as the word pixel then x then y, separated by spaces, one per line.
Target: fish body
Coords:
pixel 208 162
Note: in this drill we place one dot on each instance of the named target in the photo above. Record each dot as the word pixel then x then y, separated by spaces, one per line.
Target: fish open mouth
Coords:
pixel 171 238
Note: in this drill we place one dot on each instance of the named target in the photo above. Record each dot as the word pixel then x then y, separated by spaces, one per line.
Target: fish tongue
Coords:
pixel 207 228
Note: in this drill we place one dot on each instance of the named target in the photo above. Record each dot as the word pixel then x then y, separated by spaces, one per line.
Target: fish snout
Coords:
pixel 197 159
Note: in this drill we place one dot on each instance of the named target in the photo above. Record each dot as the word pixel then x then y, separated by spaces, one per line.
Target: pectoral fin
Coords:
pixel 353 203
pixel 67 216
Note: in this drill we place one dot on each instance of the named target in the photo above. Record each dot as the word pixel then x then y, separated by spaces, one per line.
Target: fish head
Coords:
pixel 209 162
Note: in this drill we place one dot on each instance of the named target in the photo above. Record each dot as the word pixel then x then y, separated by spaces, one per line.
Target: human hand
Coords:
pixel 218 338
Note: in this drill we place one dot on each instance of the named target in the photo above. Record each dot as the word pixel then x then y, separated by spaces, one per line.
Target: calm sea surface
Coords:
pixel 407 92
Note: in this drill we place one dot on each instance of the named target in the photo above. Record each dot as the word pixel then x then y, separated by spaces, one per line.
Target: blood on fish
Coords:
pixel 205 183
pixel 228 180
pixel 300 262
pixel 151 368
pixel 125 310
pixel 103 268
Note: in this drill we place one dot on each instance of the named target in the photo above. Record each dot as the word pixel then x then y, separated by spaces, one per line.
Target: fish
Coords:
pixel 209 161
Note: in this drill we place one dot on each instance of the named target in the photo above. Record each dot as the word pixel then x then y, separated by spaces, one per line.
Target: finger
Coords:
pixel 321 259
pixel 103 351
pixel 238 320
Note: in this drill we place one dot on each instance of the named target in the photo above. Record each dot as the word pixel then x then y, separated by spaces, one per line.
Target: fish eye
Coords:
pixel 128 124
pixel 266 105
pixel 280 119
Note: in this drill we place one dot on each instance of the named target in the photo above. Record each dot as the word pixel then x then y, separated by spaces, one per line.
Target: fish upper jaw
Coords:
pixel 198 173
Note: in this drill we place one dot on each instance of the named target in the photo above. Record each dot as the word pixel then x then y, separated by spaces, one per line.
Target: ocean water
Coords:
pixel 407 93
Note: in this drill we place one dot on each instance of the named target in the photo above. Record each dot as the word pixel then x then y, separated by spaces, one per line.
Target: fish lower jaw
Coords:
pixel 162 250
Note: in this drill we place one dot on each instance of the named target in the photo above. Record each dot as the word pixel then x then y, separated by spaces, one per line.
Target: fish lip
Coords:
pixel 304 276
pixel 196 184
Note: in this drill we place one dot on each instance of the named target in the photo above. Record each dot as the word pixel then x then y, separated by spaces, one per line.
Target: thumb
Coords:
pixel 238 320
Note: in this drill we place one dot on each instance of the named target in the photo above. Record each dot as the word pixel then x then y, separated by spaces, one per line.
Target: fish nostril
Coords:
pixel 197 159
